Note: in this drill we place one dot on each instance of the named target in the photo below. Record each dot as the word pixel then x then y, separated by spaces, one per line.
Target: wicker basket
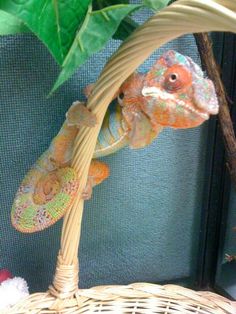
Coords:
pixel 63 296
pixel 138 298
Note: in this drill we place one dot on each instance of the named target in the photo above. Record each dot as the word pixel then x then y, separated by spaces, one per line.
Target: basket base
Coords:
pixel 138 298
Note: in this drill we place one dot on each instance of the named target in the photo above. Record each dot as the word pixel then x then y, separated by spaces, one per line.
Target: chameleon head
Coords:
pixel 176 94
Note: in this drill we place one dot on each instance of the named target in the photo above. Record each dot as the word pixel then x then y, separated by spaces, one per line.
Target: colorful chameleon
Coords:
pixel 173 93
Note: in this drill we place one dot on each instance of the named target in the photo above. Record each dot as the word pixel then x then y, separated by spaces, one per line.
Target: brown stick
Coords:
pixel 204 44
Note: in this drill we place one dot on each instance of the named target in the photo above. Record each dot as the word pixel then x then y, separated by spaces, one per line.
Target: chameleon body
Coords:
pixel 174 93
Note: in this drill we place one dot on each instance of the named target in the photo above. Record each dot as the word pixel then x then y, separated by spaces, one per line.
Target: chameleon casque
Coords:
pixel 174 93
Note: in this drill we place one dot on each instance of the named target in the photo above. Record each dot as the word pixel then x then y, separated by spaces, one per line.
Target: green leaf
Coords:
pixel 55 22
pixel 98 28
pixel 128 25
pixel 156 5
pixel 100 4
pixel 10 25
pixel 126 28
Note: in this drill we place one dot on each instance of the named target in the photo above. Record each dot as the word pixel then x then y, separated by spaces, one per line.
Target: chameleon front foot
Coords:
pixel 79 115
pixel 98 172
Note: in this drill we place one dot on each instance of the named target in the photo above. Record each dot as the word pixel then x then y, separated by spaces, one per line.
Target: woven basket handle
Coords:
pixel 182 17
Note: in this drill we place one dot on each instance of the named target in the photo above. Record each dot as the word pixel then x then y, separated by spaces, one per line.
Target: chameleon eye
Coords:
pixel 176 78
pixel 122 95
pixel 173 82
pixel 120 98
pixel 173 77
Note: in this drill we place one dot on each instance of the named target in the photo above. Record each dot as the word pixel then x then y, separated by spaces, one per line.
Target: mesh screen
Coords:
pixel 142 224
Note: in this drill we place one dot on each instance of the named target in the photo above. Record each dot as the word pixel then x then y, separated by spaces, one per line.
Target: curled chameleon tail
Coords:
pixel 42 198
pixel 174 93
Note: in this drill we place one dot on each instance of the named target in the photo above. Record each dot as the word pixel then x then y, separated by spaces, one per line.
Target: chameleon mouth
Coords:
pixel 162 95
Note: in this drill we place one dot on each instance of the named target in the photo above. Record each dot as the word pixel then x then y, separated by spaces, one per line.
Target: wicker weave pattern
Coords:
pixel 184 16
pixel 157 299
pixel 136 298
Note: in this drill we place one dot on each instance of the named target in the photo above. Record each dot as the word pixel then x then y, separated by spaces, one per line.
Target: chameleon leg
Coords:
pixel 141 132
pixel 98 172
pixel 78 115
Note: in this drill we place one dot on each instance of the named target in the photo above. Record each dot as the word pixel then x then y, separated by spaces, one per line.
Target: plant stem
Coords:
pixel 204 44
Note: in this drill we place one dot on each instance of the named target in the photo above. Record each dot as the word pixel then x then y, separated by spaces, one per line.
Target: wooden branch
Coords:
pixel 204 44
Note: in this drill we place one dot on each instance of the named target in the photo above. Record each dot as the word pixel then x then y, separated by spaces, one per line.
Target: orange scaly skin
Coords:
pixel 173 93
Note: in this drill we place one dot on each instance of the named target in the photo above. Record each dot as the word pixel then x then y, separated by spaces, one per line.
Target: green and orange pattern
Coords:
pixel 174 93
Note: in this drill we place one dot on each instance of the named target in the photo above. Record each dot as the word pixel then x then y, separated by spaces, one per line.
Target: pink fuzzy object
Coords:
pixel 4 275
